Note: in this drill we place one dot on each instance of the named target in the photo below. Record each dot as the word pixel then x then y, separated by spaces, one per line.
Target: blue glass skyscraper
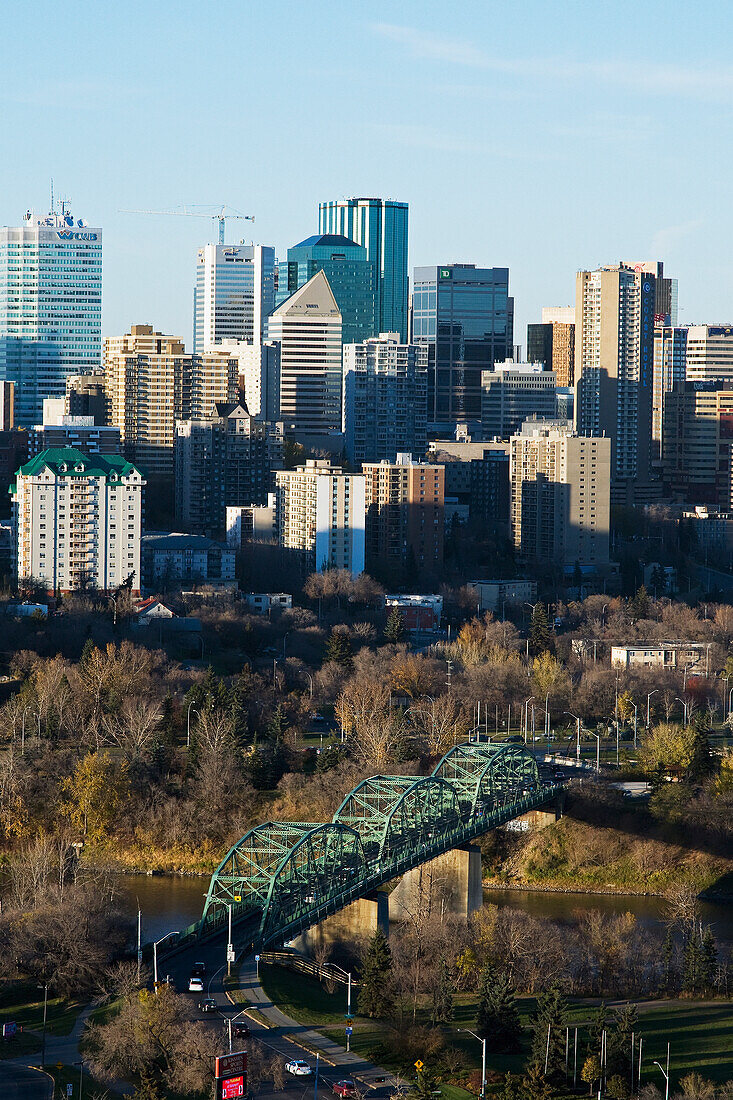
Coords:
pixel 380 225
pixel 466 317
pixel 50 308
pixel 351 276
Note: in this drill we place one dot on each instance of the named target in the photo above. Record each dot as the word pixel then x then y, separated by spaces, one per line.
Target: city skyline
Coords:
pixel 550 140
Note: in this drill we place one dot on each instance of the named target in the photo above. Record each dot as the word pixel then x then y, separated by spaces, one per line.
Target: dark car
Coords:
pixel 240 1030
pixel 208 1005
pixel 198 970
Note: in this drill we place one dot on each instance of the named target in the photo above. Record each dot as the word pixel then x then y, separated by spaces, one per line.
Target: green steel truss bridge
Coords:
pixel 285 876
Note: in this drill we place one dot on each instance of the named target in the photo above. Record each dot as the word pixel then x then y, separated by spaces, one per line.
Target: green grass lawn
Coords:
pixel 700 1036
pixel 19 1047
pixel 23 1007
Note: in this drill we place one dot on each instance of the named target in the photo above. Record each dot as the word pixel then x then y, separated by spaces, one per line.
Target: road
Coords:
pixel 279 1040
pixel 20 1083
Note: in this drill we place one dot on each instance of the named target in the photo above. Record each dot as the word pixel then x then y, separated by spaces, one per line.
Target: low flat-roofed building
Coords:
pixel 418 612
pixel 692 656
pixel 491 595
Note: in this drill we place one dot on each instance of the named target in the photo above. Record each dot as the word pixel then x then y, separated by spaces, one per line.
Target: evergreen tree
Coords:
pixel 551 1013
pixel 442 1009
pixel 86 653
pixel 376 995
pixel 497 1019
pixel 278 724
pixel 640 606
pixel 625 1023
pixel 534 1085
pixel 395 629
pixel 701 760
pixel 692 964
pixel 338 648
pixel 539 630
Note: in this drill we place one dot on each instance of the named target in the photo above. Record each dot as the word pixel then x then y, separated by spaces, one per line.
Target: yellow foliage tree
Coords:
pixel 548 675
pixel 94 794
pixel 668 745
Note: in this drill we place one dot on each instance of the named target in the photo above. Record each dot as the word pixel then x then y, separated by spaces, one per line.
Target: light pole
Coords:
pixel 684 705
pixel 81 1065
pixel 665 1074
pixel 578 745
pixel 547 721
pixel 648 701
pixel 155 956
pixel 310 680
pixel 188 724
pixel 636 715
pixel 526 715
pixel 725 680
pixel 483 1058
pixel 598 750
pixel 230 1020
pixel 45 1013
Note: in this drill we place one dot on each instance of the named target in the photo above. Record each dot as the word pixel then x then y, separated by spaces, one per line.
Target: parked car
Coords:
pixel 208 1005
pixel 298 1068
pixel 195 984
pixel 345 1088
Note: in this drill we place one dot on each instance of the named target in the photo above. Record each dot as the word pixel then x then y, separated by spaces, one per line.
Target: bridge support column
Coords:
pixel 350 927
pixel 449 884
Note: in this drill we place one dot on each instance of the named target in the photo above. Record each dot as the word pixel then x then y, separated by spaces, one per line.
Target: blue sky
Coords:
pixel 541 136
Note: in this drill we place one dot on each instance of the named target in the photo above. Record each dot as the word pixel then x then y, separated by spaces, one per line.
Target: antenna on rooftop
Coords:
pixel 51 210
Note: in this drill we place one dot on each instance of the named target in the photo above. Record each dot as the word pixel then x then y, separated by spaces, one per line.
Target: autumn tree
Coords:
pixel 94 794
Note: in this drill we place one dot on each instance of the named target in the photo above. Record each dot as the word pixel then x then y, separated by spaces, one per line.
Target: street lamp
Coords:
pixel 578 721
pixel 310 679
pixel 665 1074
pixel 81 1065
pixel 648 700
pixel 598 749
pixel 526 714
pixel 547 721
pixel 45 1013
pixel 155 956
pixel 684 705
pixel 483 1058
pixel 636 715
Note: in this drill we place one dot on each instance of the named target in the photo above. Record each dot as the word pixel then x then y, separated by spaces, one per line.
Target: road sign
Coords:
pixel 419 1065
pixel 10 1030
pixel 230 955
pixel 59 1065
pixel 349 1031
pixel 232 1088
pixel 237 897
pixel 348 1015
pixel 231 1065
pixel 69 1089
pixel 257 958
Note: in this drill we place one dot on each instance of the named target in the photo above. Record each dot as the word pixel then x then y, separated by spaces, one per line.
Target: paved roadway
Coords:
pixel 280 1039
pixel 21 1083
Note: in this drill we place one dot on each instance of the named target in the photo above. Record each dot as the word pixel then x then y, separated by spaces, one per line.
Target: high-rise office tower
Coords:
pixel 7 406
pixel 380 225
pixel 552 343
pixel 259 375
pixel 351 276
pixel 709 353
pixel 385 399
pixel 670 364
pixel 614 359
pixel 50 307
pixel 86 396
pixel 697 443
pixel 513 392
pixel 308 329
pixel 665 290
pixel 234 293
pixel 405 502
pixel 465 316
pixel 226 459
pixel 560 496
pixel 151 382
pixel 320 516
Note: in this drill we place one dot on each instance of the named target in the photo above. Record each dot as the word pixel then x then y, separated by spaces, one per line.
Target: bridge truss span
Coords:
pixel 284 876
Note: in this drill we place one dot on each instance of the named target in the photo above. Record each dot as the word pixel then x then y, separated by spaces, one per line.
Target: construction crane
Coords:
pixel 222 217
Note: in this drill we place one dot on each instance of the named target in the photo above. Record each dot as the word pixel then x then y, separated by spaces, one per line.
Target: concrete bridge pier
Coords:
pixel 451 883
pixel 348 928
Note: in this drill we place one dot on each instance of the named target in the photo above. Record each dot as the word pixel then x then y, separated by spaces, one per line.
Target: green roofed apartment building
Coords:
pixel 77 520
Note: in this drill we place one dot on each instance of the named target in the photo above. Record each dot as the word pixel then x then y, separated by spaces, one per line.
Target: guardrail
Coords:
pixel 293 961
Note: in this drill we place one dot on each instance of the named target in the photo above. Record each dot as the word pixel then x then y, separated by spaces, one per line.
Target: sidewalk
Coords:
pixel 312 1041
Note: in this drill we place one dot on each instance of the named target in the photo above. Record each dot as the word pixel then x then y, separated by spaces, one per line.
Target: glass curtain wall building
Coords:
pixel 465 316
pixel 380 225
pixel 50 307
pixel 234 293
pixel 351 276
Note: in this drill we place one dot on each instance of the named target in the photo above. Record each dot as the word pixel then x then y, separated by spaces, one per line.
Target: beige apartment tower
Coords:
pixel 151 382
pixel 614 366
pixel 560 497
pixel 405 503
pixel 320 516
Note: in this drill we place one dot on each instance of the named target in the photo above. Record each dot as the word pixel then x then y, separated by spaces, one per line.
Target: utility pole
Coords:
pixel 45 1014
pixel 139 941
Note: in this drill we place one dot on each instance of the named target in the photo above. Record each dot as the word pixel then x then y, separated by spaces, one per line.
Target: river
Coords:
pixel 172 902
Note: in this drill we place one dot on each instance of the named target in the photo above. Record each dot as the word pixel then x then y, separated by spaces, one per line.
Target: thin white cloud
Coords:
pixel 666 238
pixel 707 83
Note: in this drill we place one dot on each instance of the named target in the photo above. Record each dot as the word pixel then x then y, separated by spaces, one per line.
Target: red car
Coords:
pixel 345 1088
